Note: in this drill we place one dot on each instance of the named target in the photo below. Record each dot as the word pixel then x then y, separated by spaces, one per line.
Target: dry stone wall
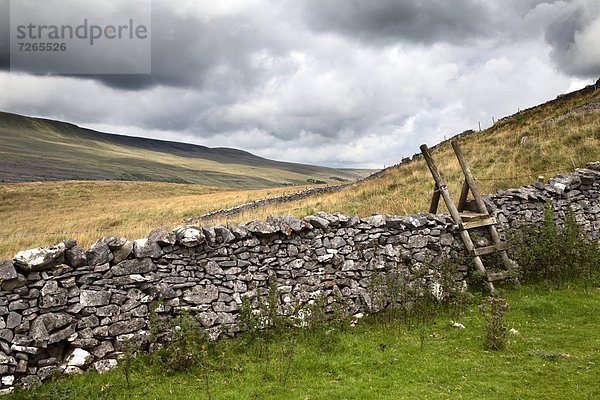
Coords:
pixel 578 191
pixel 66 308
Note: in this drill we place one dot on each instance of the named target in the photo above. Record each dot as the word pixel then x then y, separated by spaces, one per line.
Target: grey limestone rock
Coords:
pixel 103 349
pixel 238 231
pixel 79 358
pixel 417 241
pixel 114 242
pixel 94 298
pixel 262 228
pixel 76 257
pixel 49 322
pixel 53 295
pixel 122 327
pixel 376 220
pixel 98 254
pixel 121 253
pixel 13 320
pixel 146 248
pixel 163 237
pixel 317 222
pixel 135 266
pixel 201 294
pixel 7 271
pixel 41 258
pixel 189 236
pixel 223 234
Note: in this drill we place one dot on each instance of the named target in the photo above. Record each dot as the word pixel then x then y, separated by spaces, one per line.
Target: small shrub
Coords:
pixel 494 330
pixel 556 256
pixel 323 322
pixel 127 362
pixel 188 346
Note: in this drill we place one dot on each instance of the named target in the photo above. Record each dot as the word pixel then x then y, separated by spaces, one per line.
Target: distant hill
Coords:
pixel 35 149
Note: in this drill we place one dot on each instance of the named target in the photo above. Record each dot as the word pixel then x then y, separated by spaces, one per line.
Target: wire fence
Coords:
pixel 519 177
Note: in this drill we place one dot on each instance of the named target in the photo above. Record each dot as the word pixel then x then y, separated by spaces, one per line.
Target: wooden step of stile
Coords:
pixel 502 275
pixel 477 223
pixel 472 216
pixel 489 249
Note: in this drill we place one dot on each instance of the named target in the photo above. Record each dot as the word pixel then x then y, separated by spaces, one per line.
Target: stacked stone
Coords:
pixel 66 309
pixel 62 308
pixel 578 192
pixel 302 194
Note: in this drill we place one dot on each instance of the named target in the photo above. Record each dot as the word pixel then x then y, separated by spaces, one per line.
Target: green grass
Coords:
pixel 377 360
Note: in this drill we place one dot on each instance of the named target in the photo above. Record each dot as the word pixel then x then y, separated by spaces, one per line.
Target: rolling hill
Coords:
pixel 35 149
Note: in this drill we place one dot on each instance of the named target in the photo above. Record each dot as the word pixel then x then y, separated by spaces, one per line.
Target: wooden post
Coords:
pixel 470 181
pixel 435 200
pixel 441 184
pixel 464 193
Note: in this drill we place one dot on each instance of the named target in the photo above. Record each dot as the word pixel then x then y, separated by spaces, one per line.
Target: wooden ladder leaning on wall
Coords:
pixel 469 220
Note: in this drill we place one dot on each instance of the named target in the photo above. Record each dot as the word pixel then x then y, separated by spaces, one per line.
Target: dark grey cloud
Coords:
pixel 574 37
pixel 561 32
pixel 396 21
pixel 187 51
pixel 337 82
pixel 4 34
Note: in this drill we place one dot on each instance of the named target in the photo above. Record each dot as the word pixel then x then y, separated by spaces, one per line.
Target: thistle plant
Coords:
pixel 493 311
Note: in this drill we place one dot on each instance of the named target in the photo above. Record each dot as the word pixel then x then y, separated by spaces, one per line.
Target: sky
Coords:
pixel 342 83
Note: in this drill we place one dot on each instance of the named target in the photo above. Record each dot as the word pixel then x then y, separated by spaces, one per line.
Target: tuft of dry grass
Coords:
pixel 44 213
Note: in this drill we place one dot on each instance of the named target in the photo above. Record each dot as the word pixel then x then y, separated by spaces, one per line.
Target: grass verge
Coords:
pixel 556 354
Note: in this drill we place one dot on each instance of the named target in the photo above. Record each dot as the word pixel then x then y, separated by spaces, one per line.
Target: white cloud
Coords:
pixel 255 75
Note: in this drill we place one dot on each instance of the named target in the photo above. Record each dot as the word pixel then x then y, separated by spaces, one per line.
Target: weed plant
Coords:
pixel 557 256
pixel 495 330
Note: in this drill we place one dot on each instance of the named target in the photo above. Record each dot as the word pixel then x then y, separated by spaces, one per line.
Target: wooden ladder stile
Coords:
pixel 498 245
pixel 470 220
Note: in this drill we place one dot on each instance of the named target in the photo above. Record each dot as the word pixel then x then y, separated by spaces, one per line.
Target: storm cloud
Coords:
pixel 336 82
pixel 575 39
pixel 390 21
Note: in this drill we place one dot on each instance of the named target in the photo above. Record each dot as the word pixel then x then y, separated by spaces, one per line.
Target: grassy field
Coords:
pixel 44 213
pixel 554 355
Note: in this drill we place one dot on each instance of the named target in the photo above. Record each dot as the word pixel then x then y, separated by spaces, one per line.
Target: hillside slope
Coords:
pixel 34 149
pixel 557 136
